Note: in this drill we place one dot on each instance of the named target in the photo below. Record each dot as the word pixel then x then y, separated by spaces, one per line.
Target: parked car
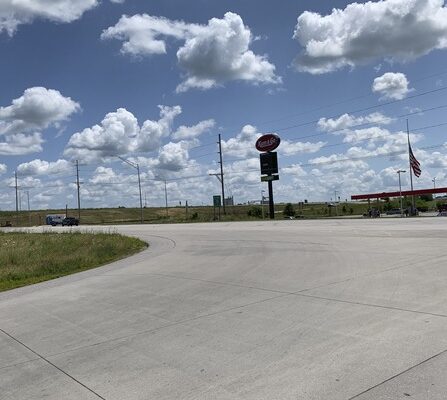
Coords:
pixel 394 211
pixel 372 213
pixel 54 219
pixel 70 221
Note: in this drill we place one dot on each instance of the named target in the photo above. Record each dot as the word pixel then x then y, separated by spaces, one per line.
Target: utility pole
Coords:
pixel 166 199
pixel 222 174
pixel 79 190
pixel 137 167
pixel 17 199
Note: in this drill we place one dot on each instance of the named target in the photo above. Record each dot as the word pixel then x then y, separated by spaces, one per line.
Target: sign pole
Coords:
pixel 271 204
pixel 269 164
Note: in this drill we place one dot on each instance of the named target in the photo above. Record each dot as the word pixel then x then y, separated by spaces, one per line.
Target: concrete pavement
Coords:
pixel 335 309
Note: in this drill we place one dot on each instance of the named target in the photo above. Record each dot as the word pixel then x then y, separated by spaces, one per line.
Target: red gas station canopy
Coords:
pixel 383 195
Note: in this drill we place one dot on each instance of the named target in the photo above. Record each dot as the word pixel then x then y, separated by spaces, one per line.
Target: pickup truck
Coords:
pixel 70 221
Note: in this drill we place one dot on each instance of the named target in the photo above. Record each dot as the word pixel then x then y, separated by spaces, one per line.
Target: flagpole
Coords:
pixel 411 169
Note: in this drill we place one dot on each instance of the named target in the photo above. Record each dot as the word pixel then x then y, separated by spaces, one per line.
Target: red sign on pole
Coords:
pixel 268 142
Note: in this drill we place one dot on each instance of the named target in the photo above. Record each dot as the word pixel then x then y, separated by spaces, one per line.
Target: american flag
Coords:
pixel 415 164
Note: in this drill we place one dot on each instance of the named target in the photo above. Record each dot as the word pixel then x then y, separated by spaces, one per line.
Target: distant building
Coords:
pixel 229 201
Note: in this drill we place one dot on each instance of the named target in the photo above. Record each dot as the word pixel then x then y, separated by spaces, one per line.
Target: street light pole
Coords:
pixel 434 186
pixel 78 185
pixel 137 167
pixel 400 191
pixel 29 209
pixel 17 199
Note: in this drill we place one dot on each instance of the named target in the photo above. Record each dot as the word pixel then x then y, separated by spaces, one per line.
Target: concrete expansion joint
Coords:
pixel 399 374
pixel 40 357
pixel 145 332
pixel 369 305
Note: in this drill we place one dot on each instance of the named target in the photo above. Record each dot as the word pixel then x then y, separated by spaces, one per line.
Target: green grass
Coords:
pixel 158 215
pixel 27 258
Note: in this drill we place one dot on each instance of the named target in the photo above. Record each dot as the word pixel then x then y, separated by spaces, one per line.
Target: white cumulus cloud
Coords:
pixel 295 170
pixel 17 12
pixel 37 109
pixel 173 157
pixel 211 55
pixel 21 144
pixel 119 133
pixel 243 145
pixel 339 163
pixel 192 132
pixel 399 30
pixel 42 167
pixel 346 121
pixel 3 168
pixel 391 86
pixel 289 148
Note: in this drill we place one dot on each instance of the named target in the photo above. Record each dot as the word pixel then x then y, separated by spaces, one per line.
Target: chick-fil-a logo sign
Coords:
pixel 268 142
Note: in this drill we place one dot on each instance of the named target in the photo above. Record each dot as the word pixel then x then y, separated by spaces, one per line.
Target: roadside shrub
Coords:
pixel 255 211
pixel 388 206
pixel 426 197
pixel 289 211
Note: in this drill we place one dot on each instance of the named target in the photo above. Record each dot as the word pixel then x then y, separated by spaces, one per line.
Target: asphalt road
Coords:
pixel 340 309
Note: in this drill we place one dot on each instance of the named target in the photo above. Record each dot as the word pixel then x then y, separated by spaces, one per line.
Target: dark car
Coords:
pixel 70 221
pixel 394 211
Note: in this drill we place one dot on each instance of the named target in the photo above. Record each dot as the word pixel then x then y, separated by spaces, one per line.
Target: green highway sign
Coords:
pixel 269 178
pixel 217 202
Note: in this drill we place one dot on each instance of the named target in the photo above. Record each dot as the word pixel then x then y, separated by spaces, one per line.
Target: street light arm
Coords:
pixel 217 176
pixel 137 167
pixel 131 163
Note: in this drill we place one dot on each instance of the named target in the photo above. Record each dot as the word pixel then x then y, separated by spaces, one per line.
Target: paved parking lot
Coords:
pixel 335 309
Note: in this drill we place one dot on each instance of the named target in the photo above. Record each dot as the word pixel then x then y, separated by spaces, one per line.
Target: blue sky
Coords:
pixel 156 82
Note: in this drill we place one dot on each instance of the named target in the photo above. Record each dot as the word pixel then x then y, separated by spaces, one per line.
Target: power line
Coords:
pixel 380 121
pixel 202 145
pixel 203 155
pixel 362 109
pixel 289 116
pixel 359 141
pixel 329 162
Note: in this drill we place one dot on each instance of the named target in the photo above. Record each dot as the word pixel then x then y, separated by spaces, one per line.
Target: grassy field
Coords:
pixel 27 258
pixel 109 216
